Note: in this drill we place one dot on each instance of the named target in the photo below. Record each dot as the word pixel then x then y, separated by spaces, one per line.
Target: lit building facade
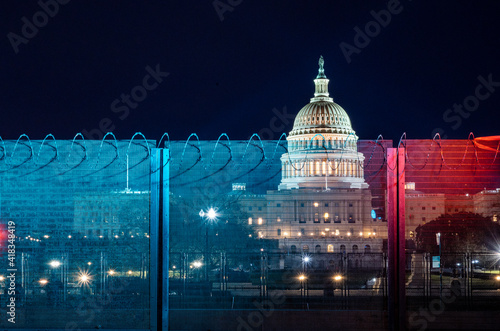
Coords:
pixel 487 204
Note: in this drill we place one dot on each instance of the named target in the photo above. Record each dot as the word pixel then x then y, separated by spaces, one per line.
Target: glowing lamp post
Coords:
pixel 306 259
pixel 302 279
pixel 55 264
pixel 84 279
pixel 210 215
pixel 438 241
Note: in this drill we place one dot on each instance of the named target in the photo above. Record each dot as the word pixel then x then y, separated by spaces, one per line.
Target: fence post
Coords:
pixel 158 241
pixel 396 237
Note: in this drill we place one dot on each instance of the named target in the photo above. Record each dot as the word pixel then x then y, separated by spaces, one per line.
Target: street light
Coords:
pixel 306 259
pixel 55 264
pixel 84 278
pixel 438 241
pixel 302 278
pixel 338 279
pixel 211 214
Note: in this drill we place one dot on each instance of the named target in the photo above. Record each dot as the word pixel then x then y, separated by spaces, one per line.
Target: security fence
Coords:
pixel 198 235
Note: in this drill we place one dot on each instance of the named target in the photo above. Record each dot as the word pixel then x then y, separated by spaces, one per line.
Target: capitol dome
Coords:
pixel 321 115
pixel 322 146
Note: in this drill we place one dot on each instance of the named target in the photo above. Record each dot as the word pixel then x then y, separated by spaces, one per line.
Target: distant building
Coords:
pixel 421 208
pixel 487 203
pixel 111 214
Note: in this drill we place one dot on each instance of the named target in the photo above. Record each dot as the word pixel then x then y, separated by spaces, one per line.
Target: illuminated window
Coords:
pixel 278 219
pixel 330 248
pixel 316 204
pixel 260 220
pixel 249 221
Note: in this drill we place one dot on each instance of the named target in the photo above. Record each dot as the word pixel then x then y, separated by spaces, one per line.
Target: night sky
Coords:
pixel 231 69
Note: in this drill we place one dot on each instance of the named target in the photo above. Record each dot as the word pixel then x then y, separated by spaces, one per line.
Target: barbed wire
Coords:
pixel 476 148
pixel 40 160
pixel 442 155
